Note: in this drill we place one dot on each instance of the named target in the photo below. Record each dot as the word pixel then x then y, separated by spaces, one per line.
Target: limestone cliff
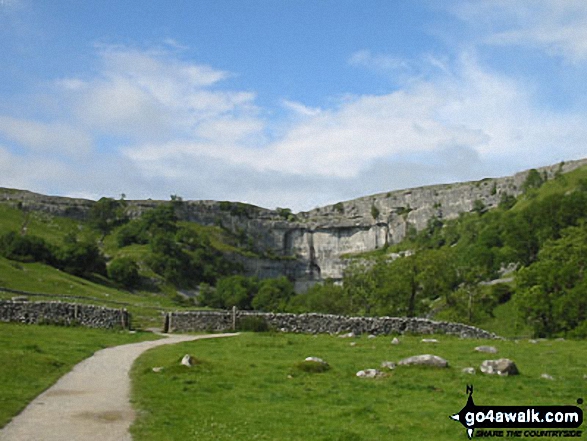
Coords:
pixel 309 246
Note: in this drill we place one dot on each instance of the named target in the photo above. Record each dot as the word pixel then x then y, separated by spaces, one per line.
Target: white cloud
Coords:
pixel 184 133
pixel 53 137
pixel 557 27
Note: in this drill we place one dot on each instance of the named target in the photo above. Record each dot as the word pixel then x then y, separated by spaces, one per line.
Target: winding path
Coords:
pixel 90 403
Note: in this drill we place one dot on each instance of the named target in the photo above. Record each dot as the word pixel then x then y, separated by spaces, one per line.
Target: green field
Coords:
pixel 35 357
pixel 250 387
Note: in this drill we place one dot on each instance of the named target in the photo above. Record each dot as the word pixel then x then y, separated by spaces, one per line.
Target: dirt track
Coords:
pixel 90 403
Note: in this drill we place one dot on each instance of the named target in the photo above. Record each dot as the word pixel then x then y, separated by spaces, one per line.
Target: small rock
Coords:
pixel 395 341
pixel 469 370
pixel 429 340
pixel 502 366
pixel 424 360
pixel 533 341
pixel 158 369
pixel 187 360
pixel 487 349
pixel 372 336
pixel 547 377
pixel 369 373
pixel 388 364
pixel 353 343
pixel 348 335
pixel 316 360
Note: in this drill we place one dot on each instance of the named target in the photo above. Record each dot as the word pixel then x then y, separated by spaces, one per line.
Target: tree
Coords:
pixel 551 291
pixel 273 295
pixel 106 214
pixel 125 271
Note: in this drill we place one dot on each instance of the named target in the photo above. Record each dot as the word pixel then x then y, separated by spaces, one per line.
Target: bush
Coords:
pixel 124 271
pixel 26 248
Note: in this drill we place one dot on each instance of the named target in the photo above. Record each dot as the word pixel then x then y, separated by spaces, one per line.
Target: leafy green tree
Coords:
pixel 273 295
pixel 237 291
pixel 551 291
pixel 125 271
pixel 326 297
pixel 27 248
pixel 81 258
pixel 106 214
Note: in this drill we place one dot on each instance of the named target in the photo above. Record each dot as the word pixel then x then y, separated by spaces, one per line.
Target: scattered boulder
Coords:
pixel 487 349
pixel 547 377
pixel 157 369
pixel 388 364
pixel 369 373
pixel 429 340
pixel 315 360
pixel 347 335
pixel 502 366
pixel 424 360
pixel 469 370
pixel 187 360
pixel 372 336
pixel 395 341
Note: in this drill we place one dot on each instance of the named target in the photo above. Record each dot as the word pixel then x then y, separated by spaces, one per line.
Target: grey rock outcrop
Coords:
pixel 502 367
pixel 310 246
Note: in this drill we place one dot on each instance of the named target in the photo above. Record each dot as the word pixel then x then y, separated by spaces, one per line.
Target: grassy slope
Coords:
pixel 248 388
pixel 146 306
pixel 34 357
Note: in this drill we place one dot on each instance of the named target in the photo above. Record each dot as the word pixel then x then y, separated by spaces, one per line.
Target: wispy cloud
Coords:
pixel 557 27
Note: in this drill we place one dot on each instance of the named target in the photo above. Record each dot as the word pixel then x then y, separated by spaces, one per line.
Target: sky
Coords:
pixel 285 103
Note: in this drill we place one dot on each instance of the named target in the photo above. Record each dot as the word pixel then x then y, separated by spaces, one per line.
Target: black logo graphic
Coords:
pixel 521 417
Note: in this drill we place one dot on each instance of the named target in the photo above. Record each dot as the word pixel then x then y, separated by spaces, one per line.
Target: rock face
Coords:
pixel 502 366
pixel 424 360
pixel 310 246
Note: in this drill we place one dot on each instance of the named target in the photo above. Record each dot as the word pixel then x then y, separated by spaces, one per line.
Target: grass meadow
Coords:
pixel 32 358
pixel 251 387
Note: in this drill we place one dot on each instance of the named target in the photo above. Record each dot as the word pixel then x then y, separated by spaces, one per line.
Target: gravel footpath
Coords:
pixel 90 403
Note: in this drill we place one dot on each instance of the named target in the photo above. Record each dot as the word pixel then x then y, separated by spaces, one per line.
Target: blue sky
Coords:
pixel 293 103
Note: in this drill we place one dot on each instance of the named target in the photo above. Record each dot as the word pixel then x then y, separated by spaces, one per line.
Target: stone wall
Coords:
pixel 60 313
pixel 219 321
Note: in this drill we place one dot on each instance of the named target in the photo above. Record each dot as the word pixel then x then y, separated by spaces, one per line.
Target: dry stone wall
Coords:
pixel 313 323
pixel 61 313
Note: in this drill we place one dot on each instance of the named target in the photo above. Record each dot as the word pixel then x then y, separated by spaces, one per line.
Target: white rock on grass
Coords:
pixel 547 377
pixel 369 373
pixel 395 341
pixel 347 335
pixel 424 360
pixel 372 336
pixel 187 360
pixel 429 340
pixel 158 369
pixel 315 360
pixel 388 364
pixel 469 370
pixel 487 349
pixel 502 366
